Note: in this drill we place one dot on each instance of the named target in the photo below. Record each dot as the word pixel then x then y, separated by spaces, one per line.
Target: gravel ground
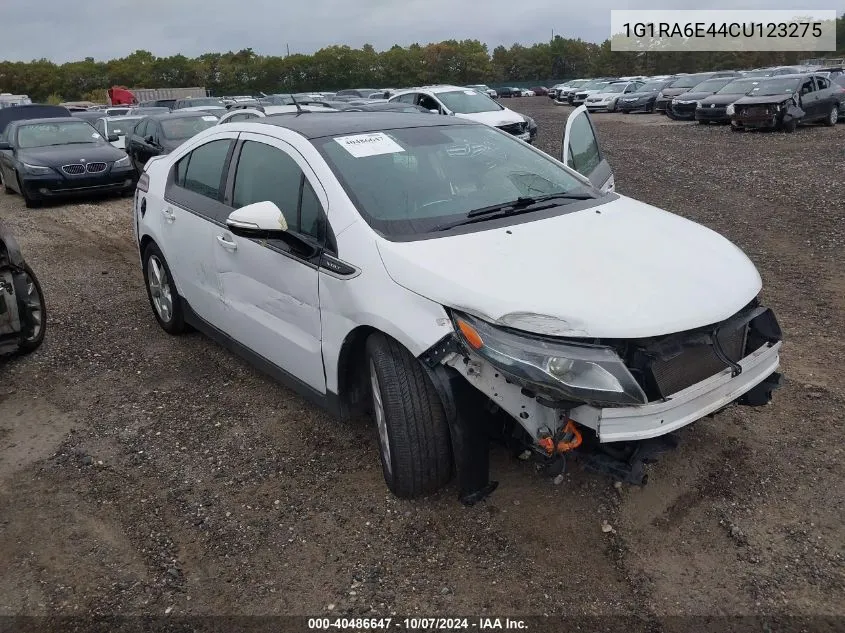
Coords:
pixel 144 474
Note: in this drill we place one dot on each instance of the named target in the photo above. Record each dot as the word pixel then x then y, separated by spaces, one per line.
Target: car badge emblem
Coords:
pixel 82 160
pixel 712 105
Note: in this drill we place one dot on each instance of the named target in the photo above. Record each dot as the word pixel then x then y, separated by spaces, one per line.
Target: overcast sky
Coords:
pixel 63 31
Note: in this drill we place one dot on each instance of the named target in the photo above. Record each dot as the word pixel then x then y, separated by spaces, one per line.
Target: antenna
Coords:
pixel 299 109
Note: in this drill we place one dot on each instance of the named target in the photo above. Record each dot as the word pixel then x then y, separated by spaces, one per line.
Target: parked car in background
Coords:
pixel 785 102
pixel 507 93
pixel 147 110
pixel 564 92
pixel 158 103
pixel 682 107
pixel 840 83
pixel 643 98
pixel 607 98
pixel 8 100
pixel 527 92
pixel 540 91
pixel 31 111
pixel 485 89
pixel 120 111
pixel 466 103
pixel 88 115
pixel 382 106
pixel 199 103
pixel 43 159
pixel 160 134
pixel 593 87
pixel 23 311
pixel 713 109
pixel 770 72
pixel 118 126
pixel 684 83
pixel 354 93
pixel 245 114
pixel 387 258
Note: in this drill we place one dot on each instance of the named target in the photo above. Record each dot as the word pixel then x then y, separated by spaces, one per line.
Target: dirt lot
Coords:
pixel 141 473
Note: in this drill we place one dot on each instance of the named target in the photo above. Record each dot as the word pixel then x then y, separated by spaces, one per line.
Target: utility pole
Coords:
pixel 287 47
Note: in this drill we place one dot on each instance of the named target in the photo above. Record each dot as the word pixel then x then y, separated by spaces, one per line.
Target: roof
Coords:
pixel 319 124
pixel 177 114
pixel 29 111
pixel 56 119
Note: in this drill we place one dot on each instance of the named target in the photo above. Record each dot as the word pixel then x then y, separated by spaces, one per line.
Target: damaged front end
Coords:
pixel 613 402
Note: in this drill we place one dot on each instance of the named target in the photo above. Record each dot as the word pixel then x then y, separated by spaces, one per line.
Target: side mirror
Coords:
pixel 113 138
pixel 149 139
pixel 257 219
pixel 5 145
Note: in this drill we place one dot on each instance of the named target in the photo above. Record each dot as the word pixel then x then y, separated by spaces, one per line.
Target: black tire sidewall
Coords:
pixel 25 346
pixel 176 324
pixel 420 459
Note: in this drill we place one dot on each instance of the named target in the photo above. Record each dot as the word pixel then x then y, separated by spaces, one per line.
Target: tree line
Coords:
pixel 336 67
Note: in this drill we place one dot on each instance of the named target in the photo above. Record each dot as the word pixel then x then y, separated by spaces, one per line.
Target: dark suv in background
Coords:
pixel 683 84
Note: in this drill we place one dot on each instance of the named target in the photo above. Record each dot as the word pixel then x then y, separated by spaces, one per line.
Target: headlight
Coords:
pixel 660 95
pixel 729 110
pixel 122 162
pixel 698 104
pixel 562 370
pixel 674 102
pixel 36 170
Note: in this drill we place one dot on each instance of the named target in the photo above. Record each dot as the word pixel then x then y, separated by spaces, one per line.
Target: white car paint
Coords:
pixel 604 100
pixel 617 268
pixel 495 117
pixel 709 279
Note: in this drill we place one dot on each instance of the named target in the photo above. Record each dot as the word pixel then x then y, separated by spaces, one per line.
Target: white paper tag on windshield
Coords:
pixel 469 92
pixel 370 144
pixel 209 118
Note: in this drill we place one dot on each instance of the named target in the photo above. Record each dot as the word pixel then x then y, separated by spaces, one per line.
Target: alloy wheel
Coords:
pixel 159 285
pixel 381 422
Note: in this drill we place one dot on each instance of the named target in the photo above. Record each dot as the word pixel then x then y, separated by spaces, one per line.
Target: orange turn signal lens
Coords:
pixel 470 334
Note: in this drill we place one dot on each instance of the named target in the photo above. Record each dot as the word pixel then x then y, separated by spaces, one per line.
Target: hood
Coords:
pixel 780 98
pixel 495 118
pixel 721 100
pixel 640 95
pixel 673 92
pixel 630 271
pixel 59 155
pixel 693 96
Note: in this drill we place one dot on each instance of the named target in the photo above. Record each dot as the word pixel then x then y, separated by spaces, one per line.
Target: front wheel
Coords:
pixel 790 126
pixel 832 116
pixel 28 200
pixel 414 440
pixel 32 310
pixel 161 291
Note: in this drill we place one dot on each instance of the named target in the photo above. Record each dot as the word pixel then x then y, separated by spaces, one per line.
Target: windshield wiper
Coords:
pixel 523 204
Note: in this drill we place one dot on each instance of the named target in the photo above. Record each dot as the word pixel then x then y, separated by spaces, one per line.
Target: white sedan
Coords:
pixel 424 268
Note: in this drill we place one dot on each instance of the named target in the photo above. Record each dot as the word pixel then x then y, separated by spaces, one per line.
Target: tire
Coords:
pixel 28 200
pixel 6 188
pixel 612 109
pixel 161 291
pixel 736 128
pixel 790 126
pixel 33 313
pixel 703 122
pixel 832 116
pixel 414 440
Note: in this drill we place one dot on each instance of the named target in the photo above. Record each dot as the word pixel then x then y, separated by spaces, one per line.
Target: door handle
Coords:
pixel 168 215
pixel 226 243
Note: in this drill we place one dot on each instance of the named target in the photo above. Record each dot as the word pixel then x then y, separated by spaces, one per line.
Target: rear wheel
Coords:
pixel 414 440
pixel 832 116
pixel 161 291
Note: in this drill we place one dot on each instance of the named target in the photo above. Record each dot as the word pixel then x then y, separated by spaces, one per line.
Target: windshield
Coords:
pixel 468 102
pixel 769 87
pixel 64 133
pixel 758 73
pixel 186 126
pixel 619 87
pixel 712 85
pixel 408 181
pixel 739 87
pixel 686 82
pixel 652 86
pixel 209 101
pixel 121 127
pixel 594 85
